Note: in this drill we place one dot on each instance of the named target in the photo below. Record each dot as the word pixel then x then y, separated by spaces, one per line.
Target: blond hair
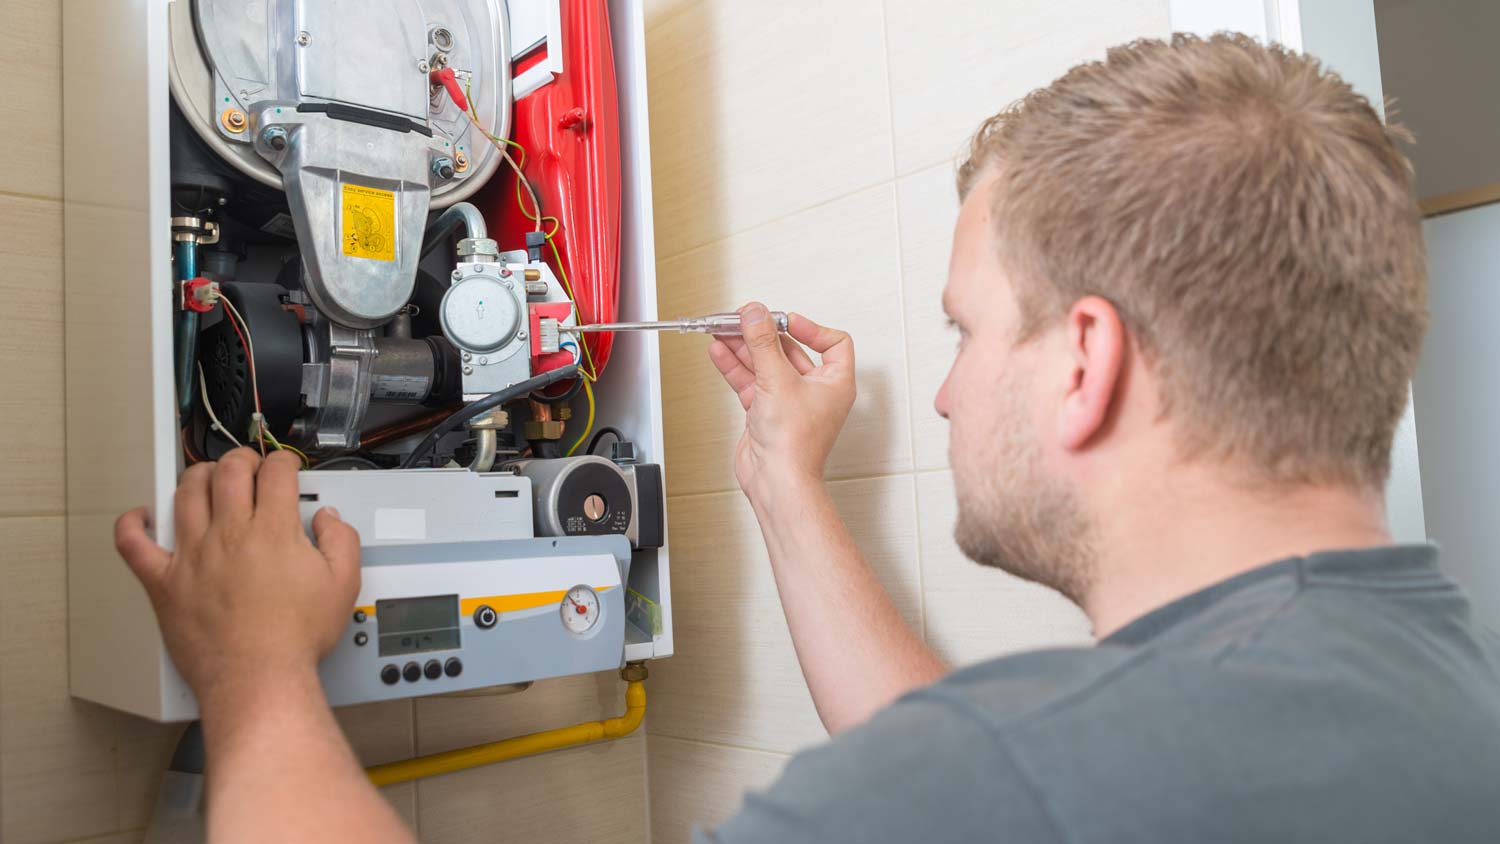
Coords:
pixel 1252 220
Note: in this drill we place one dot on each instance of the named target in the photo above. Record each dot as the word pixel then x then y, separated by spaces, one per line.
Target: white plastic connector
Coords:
pixel 548 336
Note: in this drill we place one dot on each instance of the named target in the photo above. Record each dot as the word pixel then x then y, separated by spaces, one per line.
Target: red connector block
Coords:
pixel 547 361
pixel 200 295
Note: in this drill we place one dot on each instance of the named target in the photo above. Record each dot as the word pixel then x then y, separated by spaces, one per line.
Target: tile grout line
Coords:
pixel 911 437
pixel 704 493
pixel 37 197
pixel 724 745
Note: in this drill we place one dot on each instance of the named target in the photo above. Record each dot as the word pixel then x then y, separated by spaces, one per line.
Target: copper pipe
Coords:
pixel 399 430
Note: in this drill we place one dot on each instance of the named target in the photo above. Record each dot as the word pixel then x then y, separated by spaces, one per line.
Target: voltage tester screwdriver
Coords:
pixel 717 324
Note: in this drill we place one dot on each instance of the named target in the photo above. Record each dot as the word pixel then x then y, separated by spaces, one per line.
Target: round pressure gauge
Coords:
pixel 580 610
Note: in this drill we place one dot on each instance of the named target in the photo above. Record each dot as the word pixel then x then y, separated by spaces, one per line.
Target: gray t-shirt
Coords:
pixel 1345 696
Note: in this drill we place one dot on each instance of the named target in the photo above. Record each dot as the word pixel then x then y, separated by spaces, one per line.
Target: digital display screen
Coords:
pixel 415 625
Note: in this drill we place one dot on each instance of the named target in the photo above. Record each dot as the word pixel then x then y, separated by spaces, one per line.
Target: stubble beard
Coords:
pixel 1013 517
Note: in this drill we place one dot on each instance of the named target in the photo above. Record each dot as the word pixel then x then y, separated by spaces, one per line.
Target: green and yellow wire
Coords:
pixel 586 370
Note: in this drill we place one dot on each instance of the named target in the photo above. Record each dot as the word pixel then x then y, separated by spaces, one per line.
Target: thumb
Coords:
pixel 338 542
pixel 759 331
pixel 146 559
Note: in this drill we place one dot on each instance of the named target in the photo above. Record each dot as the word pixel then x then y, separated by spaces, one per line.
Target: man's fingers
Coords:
pixel 233 485
pixel 759 331
pixel 192 506
pixel 728 364
pixel 835 346
pixel 339 544
pixel 797 355
pixel 276 497
pixel 148 560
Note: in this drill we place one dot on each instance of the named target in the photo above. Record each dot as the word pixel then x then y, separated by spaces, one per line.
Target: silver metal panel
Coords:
pixel 404 506
pixel 361 264
pixel 368 53
pixel 525 645
pixel 229 54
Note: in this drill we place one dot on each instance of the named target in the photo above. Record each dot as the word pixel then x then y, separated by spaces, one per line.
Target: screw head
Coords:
pixel 303 39
pixel 468 357
pixel 422 66
pixel 505 272
pixel 468 370
pixel 520 335
pixel 458 274
pixel 483 360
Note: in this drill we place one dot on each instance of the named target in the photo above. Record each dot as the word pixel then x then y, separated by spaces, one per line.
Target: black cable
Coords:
pixel 352 462
pixel 599 435
pixel 485 405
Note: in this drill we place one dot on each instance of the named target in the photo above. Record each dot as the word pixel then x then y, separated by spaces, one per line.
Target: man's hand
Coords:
pixel 245 592
pixel 794 409
pixel 855 649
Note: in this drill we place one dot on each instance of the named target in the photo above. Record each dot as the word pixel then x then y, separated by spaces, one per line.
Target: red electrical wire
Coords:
pixel 254 385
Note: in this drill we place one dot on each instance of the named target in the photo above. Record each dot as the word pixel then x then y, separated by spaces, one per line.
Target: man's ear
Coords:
pixel 1095 340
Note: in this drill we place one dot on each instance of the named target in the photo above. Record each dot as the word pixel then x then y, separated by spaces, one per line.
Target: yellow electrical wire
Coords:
pixel 588 426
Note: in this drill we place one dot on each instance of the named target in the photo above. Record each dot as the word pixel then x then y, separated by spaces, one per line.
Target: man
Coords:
pixel 1189 288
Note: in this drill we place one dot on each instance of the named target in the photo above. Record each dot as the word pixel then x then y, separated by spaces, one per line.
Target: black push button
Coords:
pixel 412 672
pixel 453 667
pixel 361 638
pixel 390 674
pixel 485 617
pixel 359 616
pixel 433 669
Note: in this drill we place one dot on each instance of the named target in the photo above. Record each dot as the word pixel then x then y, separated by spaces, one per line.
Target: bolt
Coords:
pixel 442 167
pixel 468 370
pixel 274 137
pixel 484 361
pixel 458 274
pixel 303 39
pixel 520 335
pixel 422 66
pixel 468 357
pixel 233 120
pixel 461 160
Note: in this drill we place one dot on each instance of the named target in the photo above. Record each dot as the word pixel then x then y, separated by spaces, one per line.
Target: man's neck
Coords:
pixel 1197 531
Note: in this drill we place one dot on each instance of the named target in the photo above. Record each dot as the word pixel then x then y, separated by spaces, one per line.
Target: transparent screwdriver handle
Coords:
pixel 726 323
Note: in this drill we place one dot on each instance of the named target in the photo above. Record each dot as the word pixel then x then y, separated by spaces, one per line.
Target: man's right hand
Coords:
pixel 794 409
pixel 245 593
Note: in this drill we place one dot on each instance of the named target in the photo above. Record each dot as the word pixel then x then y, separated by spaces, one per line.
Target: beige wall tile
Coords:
pixel 955 62
pixel 142 751
pixel 761 109
pixel 30 110
pixel 593 793
pixel 928 205
pixel 57 761
pixel 838 264
pixel 735 678
pixel 697 784
pixel 31 345
pixel 976 613
pixel 659 10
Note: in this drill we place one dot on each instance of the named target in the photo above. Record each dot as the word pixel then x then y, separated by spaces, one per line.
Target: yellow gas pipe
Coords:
pixel 527 745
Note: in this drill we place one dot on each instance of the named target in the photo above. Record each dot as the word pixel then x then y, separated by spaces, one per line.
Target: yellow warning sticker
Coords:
pixel 369 223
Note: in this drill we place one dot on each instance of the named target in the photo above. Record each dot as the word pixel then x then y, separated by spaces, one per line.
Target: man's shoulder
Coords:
pixel 1013 689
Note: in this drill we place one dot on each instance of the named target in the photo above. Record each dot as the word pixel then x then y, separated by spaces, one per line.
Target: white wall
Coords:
pixel 1458 396
pixel 1441 62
